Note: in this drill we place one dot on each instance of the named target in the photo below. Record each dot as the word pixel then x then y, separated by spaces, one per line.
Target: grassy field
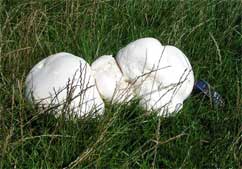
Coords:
pixel 200 136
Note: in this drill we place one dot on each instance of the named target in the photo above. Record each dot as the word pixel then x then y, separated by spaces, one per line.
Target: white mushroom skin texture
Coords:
pixel 61 76
pixel 110 81
pixel 162 75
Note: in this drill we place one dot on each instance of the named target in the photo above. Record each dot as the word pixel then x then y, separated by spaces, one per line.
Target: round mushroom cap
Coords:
pixel 62 79
pixel 110 81
pixel 139 57
pixel 162 75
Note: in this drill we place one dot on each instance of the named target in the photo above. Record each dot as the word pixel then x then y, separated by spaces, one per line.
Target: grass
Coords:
pixel 200 136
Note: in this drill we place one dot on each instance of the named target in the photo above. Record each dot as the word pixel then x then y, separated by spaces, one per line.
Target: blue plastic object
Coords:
pixel 204 87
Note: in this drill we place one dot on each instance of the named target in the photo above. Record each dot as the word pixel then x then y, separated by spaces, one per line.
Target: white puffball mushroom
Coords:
pixel 139 57
pixel 109 80
pixel 162 75
pixel 62 78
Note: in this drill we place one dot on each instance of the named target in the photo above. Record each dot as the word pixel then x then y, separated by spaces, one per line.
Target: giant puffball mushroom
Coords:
pixel 162 75
pixel 109 80
pixel 62 78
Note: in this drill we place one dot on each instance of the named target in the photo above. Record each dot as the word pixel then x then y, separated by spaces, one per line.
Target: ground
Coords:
pixel 200 136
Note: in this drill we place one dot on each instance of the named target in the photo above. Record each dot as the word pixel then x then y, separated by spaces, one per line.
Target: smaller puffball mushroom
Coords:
pixel 162 75
pixel 64 78
pixel 110 81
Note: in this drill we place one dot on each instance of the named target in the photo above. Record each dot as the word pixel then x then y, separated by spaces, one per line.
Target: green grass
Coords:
pixel 200 136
